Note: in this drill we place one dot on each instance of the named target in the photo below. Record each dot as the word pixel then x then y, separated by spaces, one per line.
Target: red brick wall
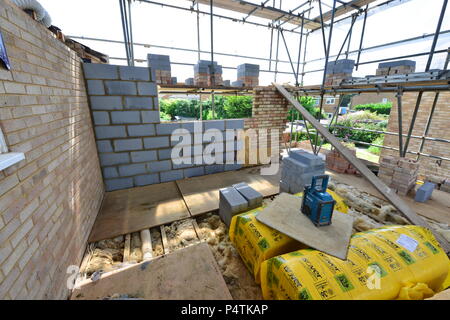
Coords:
pixel 48 202
pixel 440 128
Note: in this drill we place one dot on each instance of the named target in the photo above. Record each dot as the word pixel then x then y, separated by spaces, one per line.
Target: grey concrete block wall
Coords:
pixel 135 148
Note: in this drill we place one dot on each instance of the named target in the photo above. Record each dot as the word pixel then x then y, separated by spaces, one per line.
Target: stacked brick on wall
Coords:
pixel 396 67
pixel 400 174
pixel 135 149
pixel 49 201
pixel 160 65
pixel 338 71
pixel 438 129
pixel 336 162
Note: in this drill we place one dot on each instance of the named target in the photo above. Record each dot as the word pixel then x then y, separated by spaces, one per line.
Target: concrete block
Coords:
pixel 100 117
pixel 150 116
pixel 143 156
pixel 146 179
pixel 132 169
pixel 104 146
pixel 166 128
pixel 126 88
pixel 424 192
pixel 194 126
pixel 120 117
pixel 141 130
pixel 182 163
pixel 194 172
pixel 110 172
pixel 156 142
pixel 106 132
pixel 139 103
pixel 305 157
pixel 95 87
pixel 134 73
pixel 231 167
pixel 158 166
pixel 214 124
pixel 100 71
pixel 110 159
pixel 214 168
pixel 127 144
pixel 152 75
pixel 293 166
pixel 118 184
pixel 234 124
pixel 147 89
pixel 171 175
pixel 284 187
pixel 106 103
pixel 253 197
pixel 164 154
pixel 398 63
pixel 231 202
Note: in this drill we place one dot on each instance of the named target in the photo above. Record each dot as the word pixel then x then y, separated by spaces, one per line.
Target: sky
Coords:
pixel 155 25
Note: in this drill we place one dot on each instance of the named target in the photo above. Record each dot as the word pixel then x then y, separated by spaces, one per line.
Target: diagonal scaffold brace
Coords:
pixel 387 192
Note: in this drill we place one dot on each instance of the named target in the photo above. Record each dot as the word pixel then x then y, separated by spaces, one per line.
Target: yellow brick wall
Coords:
pixel 440 128
pixel 48 202
pixel 269 111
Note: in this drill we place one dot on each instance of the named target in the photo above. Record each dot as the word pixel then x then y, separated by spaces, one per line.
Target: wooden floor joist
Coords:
pixel 146 245
pixel 126 249
pixel 164 240
pixel 387 192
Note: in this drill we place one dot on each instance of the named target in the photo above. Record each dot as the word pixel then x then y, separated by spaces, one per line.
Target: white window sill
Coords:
pixel 9 159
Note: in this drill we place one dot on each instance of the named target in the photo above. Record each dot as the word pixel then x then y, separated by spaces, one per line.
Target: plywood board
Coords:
pixel 437 208
pixel 131 210
pixel 201 194
pixel 284 214
pixel 190 273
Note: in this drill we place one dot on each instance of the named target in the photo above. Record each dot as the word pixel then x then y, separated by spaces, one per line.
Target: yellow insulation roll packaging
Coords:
pixel 257 242
pixel 396 262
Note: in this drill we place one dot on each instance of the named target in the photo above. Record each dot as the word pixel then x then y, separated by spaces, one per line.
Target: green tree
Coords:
pixel 238 107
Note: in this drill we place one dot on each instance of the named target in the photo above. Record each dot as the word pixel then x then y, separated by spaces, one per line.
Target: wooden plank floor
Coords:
pixel 131 210
pixel 199 278
pixel 201 194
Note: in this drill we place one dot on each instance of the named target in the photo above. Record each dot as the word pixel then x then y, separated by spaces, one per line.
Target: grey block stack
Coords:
pixel 226 83
pixel 248 74
pixel 160 64
pixel 174 80
pixel 205 72
pixel 340 66
pixel 189 81
pixel 396 67
pixel 298 169
pixel 231 202
pixel 238 83
pixel 253 197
